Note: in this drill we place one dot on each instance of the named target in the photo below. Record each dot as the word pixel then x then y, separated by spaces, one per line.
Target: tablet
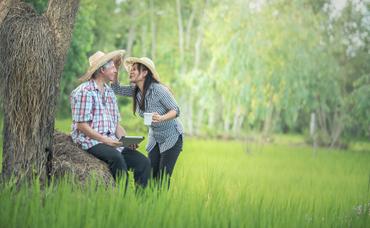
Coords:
pixel 131 140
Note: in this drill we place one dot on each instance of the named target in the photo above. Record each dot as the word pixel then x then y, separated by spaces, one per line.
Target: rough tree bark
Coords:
pixel 33 49
pixel 4 8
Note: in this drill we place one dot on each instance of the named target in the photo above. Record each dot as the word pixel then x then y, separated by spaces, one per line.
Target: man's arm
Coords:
pixel 91 133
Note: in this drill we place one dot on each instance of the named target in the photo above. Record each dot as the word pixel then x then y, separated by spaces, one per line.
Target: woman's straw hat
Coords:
pixel 99 58
pixel 143 60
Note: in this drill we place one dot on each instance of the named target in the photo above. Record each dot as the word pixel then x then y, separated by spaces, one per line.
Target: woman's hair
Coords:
pixel 148 81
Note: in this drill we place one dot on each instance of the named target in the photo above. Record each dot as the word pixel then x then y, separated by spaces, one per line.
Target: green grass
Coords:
pixel 215 184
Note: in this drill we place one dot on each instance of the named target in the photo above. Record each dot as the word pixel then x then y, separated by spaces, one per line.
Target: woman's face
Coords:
pixel 135 75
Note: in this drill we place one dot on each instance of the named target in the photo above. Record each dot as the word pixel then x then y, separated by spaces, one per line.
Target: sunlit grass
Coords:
pixel 63 125
pixel 215 184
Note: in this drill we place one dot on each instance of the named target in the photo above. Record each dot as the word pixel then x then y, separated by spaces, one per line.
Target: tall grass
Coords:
pixel 215 184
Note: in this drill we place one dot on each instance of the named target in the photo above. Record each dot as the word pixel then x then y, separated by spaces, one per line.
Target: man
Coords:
pixel 96 118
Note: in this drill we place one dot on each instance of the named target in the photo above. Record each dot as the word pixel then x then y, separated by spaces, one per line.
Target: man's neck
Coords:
pixel 100 83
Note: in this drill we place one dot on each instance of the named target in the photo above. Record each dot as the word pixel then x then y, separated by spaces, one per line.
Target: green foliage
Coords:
pixel 261 67
pixel 105 30
pixel 215 184
pixel 77 61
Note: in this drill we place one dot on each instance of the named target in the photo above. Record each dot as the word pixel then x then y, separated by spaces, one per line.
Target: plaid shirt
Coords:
pixel 98 110
pixel 158 99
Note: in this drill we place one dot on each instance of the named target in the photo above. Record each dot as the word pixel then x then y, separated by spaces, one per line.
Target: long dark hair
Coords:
pixel 148 81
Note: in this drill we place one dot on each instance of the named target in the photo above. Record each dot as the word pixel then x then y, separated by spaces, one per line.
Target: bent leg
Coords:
pixel 113 157
pixel 139 164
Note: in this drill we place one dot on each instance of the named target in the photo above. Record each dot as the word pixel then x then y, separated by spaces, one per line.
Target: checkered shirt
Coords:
pixel 98 110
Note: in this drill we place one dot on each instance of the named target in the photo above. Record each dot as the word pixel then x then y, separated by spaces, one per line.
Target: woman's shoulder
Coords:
pixel 160 88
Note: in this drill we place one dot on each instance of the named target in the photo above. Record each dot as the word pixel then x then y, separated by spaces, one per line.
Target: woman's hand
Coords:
pixel 160 118
pixel 157 118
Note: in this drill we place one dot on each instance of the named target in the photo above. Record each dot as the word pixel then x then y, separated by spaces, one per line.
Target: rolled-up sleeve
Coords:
pixel 126 90
pixel 81 104
pixel 167 100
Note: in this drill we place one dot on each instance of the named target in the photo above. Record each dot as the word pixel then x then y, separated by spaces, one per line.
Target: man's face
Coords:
pixel 135 75
pixel 109 71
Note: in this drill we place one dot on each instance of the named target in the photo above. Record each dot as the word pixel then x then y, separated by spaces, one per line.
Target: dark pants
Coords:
pixel 119 163
pixel 164 163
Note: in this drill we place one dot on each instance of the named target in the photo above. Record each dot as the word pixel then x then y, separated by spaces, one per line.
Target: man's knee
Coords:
pixel 119 161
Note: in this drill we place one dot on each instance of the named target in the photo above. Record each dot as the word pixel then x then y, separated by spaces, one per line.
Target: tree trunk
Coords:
pixel 143 40
pixel 226 115
pixel 189 26
pixel 130 39
pixel 336 129
pixel 198 43
pixel 211 116
pixel 131 32
pixel 238 120
pixel 154 30
pixel 181 37
pixel 189 116
pixel 33 49
pixel 4 8
pixel 199 120
pixel 267 125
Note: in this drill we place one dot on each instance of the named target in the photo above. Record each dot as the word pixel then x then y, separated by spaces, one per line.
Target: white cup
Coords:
pixel 148 117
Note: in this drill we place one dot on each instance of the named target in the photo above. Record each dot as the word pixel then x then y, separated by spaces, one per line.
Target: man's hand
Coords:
pixel 111 142
pixel 133 146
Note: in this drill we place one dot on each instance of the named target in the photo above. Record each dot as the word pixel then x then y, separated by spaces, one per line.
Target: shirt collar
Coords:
pixel 95 86
pixel 150 89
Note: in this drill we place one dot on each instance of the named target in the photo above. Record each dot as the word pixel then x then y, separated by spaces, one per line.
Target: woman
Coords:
pixel 165 137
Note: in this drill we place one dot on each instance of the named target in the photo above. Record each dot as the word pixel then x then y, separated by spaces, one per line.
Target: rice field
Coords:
pixel 215 184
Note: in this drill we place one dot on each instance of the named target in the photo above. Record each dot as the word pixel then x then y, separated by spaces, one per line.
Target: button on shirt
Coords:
pixel 99 110
pixel 157 99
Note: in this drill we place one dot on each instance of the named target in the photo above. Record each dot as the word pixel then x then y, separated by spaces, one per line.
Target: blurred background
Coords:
pixel 238 67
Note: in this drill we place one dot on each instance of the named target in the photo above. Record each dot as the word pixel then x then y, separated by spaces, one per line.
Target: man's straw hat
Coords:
pixel 143 60
pixel 99 58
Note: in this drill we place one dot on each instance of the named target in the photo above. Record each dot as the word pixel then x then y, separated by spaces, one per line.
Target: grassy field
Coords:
pixel 215 184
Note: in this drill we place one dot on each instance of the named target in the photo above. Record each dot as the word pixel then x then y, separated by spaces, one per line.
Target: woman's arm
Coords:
pixel 170 104
pixel 126 90
pixel 172 114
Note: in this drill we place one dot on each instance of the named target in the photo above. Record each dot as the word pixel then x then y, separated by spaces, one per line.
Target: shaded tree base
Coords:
pixel 69 159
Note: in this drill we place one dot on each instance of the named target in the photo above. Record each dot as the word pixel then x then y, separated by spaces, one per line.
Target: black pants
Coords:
pixel 164 163
pixel 119 163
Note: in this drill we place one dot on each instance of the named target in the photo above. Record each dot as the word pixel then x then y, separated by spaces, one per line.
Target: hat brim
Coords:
pixel 129 61
pixel 115 55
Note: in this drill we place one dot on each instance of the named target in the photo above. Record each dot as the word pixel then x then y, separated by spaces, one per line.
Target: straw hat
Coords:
pixel 143 60
pixel 99 58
